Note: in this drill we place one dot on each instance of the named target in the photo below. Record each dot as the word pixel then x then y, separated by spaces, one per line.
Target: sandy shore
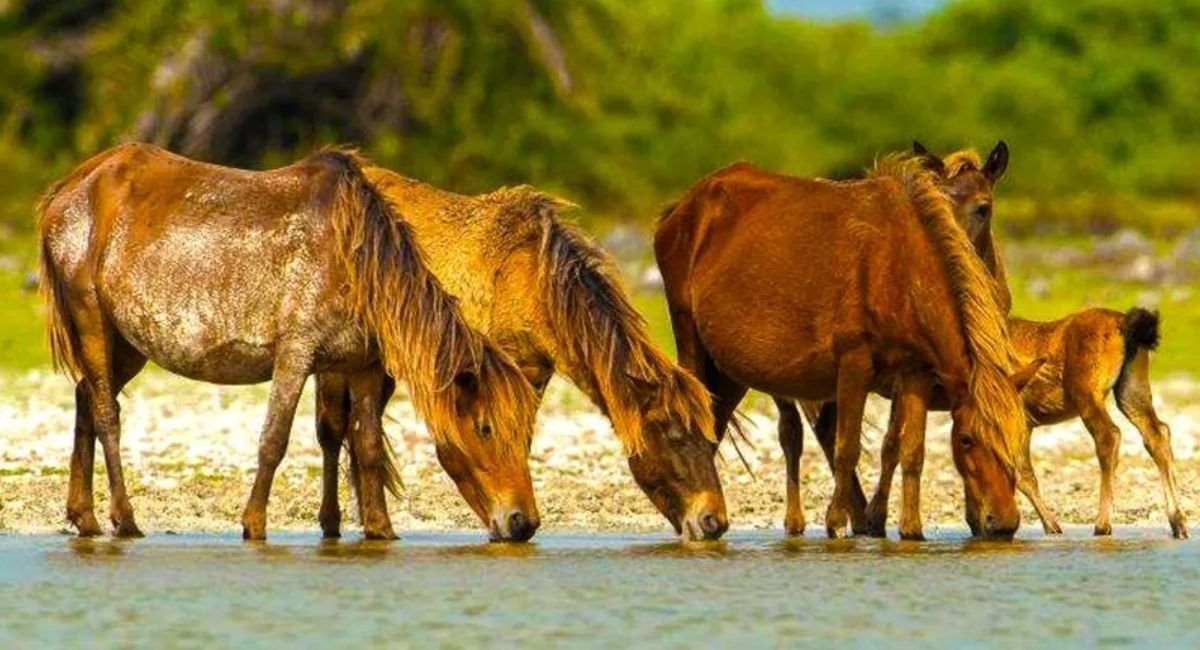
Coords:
pixel 190 454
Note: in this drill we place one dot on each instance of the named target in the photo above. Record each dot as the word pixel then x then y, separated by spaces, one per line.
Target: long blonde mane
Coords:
pixel 600 335
pixel 984 323
pixel 421 334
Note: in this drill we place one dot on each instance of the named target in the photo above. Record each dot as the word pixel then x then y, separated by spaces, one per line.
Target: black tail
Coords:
pixel 1140 330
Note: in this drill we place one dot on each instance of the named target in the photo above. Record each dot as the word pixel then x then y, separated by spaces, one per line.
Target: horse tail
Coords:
pixel 60 330
pixel 1139 328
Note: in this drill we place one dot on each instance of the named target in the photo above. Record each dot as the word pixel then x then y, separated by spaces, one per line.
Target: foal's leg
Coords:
pixel 81 510
pixel 1108 441
pixel 1135 401
pixel 912 406
pixel 292 368
pixel 366 390
pixel 889 458
pixel 1027 484
pixel 791 440
pixel 333 406
pixel 825 430
pixel 855 371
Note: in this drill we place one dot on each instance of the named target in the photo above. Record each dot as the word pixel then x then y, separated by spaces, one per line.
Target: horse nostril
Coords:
pixel 520 527
pixel 712 525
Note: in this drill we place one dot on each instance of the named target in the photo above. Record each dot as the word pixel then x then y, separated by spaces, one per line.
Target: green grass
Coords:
pixel 22 344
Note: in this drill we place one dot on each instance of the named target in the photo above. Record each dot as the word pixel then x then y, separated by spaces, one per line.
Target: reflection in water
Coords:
pixel 602 591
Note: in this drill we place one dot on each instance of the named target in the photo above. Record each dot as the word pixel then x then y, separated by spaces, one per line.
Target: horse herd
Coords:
pixel 812 291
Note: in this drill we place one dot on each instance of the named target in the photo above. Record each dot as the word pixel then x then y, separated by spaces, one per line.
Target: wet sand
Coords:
pixel 190 452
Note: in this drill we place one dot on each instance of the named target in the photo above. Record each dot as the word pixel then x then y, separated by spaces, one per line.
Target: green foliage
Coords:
pixel 617 105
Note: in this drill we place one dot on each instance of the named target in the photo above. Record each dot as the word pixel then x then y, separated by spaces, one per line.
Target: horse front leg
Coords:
pixel 287 382
pixel 855 371
pixel 911 408
pixel 367 398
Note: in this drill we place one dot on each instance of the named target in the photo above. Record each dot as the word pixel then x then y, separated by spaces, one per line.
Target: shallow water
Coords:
pixel 753 589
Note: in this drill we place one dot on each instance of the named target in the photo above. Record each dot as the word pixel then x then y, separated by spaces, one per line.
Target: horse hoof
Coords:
pixel 253 535
pixel 1102 530
pixel 87 526
pixel 1179 530
pixel 331 534
pixel 877 526
pixel 383 535
pixel 912 536
pixel 128 531
pixel 791 531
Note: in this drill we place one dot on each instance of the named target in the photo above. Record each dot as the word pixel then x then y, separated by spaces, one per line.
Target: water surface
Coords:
pixel 452 590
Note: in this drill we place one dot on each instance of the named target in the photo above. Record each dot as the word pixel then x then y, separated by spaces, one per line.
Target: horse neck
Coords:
pixel 944 335
pixel 985 247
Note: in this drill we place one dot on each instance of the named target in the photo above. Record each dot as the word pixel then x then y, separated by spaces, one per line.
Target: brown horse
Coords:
pixel 236 277
pixel 970 188
pixel 1088 355
pixel 550 298
pixel 818 290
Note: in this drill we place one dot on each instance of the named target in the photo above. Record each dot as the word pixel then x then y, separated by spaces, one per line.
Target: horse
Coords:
pixel 236 277
pixel 1089 354
pixel 818 290
pixel 550 298
pixel 969 186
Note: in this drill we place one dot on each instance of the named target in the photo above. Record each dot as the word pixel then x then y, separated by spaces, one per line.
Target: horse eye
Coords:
pixel 984 211
pixel 485 430
pixel 967 441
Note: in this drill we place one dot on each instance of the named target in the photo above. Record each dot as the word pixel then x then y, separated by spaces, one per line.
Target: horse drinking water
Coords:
pixel 549 297
pixel 237 277
pixel 818 290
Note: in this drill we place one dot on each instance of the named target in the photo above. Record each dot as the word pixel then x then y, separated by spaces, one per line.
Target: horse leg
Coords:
pixel 912 406
pixel 1135 401
pixel 366 390
pixel 292 368
pixel 855 372
pixel 791 440
pixel 81 510
pixel 825 429
pixel 333 408
pixel 99 355
pixel 889 458
pixel 1027 484
pixel 1108 440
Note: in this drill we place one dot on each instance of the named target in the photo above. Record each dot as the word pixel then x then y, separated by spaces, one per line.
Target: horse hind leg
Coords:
pixel 889 458
pixel 333 410
pixel 107 365
pixel 81 511
pixel 1134 399
pixel 1108 441
pixel 791 440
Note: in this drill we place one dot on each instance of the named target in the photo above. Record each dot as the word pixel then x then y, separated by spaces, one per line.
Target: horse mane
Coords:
pixel 964 160
pixel 601 337
pixel 421 334
pixel 985 327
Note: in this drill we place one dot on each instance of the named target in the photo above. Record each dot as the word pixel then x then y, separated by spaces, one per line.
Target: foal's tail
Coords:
pixel 1139 328
pixel 387 466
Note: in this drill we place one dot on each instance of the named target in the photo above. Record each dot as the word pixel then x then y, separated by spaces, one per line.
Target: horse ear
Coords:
pixel 928 160
pixel 997 162
pixel 466 384
pixel 1021 378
